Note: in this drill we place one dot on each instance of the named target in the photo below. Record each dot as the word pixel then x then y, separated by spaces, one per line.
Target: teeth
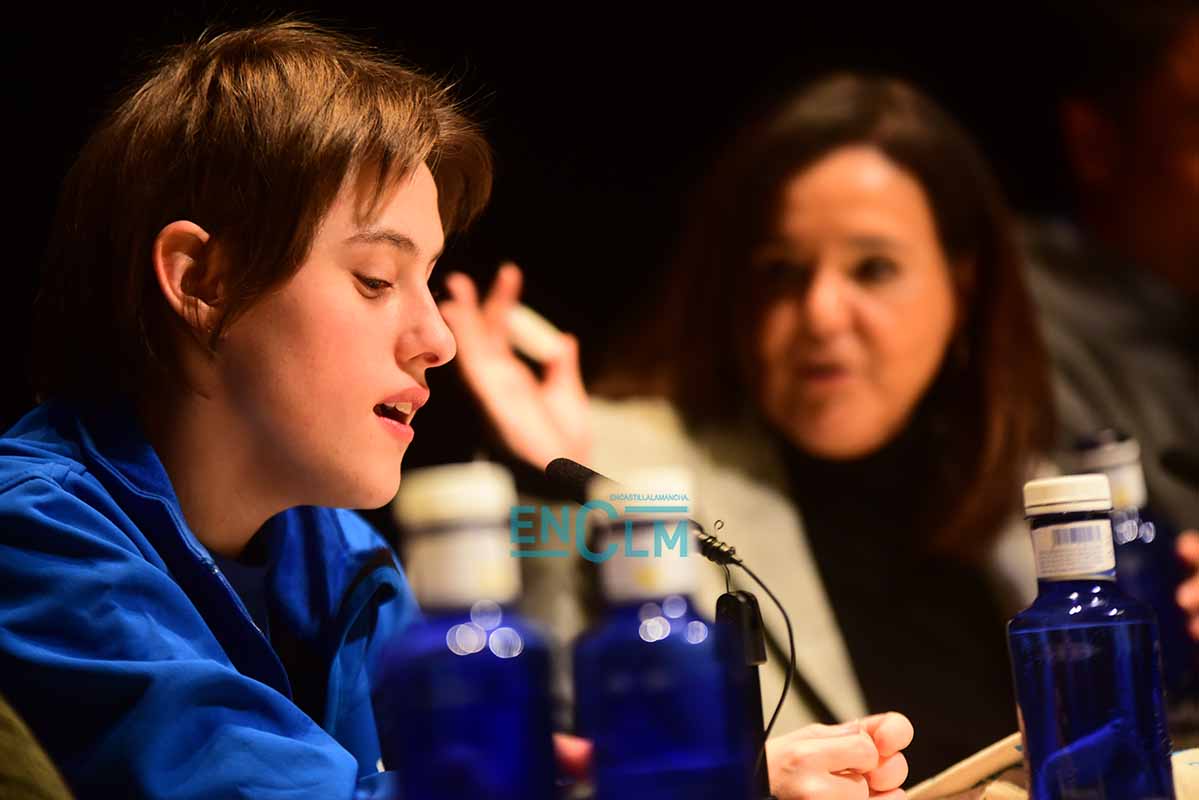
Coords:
pixel 402 408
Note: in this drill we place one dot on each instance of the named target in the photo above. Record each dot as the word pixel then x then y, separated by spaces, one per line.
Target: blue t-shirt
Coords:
pixel 247 575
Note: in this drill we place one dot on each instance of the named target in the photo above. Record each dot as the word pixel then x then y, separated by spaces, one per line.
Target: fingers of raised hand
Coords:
pixel 503 295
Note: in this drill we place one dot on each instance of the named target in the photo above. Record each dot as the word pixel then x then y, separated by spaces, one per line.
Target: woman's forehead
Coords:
pixel 858 195
pixel 405 217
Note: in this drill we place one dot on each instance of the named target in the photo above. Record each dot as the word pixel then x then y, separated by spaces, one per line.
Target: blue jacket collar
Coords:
pixel 320 583
pixel 116 450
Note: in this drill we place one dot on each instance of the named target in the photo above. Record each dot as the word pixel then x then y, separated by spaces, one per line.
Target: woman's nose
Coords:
pixel 427 340
pixel 825 305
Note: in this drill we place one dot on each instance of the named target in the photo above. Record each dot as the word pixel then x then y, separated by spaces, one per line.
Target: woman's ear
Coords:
pixel 185 265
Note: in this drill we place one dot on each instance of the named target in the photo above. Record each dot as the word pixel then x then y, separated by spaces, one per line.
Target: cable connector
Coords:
pixel 715 550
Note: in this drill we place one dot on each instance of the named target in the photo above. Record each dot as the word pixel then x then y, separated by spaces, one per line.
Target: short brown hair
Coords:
pixel 250 134
pixel 993 399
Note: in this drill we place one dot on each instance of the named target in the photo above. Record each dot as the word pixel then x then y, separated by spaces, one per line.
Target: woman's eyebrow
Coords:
pixel 870 241
pixel 400 241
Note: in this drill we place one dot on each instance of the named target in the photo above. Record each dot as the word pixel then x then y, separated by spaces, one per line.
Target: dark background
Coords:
pixel 601 118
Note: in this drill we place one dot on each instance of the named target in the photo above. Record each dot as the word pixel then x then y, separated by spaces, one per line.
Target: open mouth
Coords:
pixel 823 372
pixel 400 412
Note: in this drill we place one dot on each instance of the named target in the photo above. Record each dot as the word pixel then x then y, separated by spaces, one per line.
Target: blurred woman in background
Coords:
pixel 845 355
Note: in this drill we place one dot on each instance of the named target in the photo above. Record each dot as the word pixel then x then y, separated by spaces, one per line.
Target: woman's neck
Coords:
pixel 892 487
pixel 206 456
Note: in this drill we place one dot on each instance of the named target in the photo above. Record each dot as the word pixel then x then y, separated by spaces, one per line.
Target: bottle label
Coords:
pixel 1075 548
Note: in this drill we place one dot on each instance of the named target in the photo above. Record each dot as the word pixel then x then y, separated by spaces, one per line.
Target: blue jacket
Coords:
pixel 132 658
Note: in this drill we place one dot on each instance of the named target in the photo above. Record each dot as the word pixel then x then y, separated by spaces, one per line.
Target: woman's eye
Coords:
pixel 373 284
pixel 875 269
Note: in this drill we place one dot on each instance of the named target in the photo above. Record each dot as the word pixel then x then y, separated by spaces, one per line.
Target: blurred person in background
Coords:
pixel 1117 286
pixel 845 355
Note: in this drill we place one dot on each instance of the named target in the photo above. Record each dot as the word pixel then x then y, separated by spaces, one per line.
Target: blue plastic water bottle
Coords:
pixel 653 686
pixel 462 703
pixel 1149 570
pixel 1086 657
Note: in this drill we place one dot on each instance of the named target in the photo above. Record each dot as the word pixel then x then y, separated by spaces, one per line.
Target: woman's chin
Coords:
pixel 383 495
pixel 837 451
pixel 836 443
pixel 364 492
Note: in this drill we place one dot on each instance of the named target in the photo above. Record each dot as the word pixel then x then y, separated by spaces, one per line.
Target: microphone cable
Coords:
pixel 719 552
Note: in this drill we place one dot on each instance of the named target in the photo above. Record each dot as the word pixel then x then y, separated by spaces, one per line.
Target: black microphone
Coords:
pixel 571 477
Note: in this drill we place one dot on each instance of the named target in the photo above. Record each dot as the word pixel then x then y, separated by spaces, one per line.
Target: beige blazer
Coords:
pixel 740 479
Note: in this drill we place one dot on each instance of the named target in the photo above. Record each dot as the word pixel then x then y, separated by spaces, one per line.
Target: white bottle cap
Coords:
pixel 459 552
pixel 1119 459
pixel 1068 493
pixel 1109 454
pixel 451 493
pixel 660 556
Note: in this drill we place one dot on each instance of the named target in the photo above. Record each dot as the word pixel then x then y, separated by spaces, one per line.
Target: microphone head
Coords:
pixel 571 477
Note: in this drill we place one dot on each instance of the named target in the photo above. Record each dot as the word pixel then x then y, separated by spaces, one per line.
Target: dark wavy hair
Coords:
pixel 995 391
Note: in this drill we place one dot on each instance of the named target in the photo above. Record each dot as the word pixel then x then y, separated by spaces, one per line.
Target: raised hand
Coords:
pixel 538 418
